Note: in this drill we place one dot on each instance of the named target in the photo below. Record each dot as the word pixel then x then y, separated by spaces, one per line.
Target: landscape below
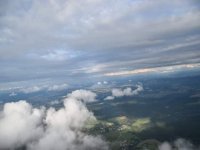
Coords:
pixel 166 110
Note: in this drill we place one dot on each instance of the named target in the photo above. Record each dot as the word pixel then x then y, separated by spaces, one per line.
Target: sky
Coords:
pixel 66 41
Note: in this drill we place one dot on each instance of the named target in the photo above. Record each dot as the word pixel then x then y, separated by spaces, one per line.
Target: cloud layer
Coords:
pixel 89 39
pixel 49 129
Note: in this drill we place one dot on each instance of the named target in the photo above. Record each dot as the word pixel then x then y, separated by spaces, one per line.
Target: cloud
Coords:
pixel 54 102
pixel 31 89
pixel 57 55
pixel 20 124
pixel 37 88
pixel 87 38
pixel 100 83
pixel 125 92
pixel 105 82
pixel 51 129
pixel 179 144
pixel 84 95
pixel 57 87
pixel 165 69
pixel 12 94
pixel 109 98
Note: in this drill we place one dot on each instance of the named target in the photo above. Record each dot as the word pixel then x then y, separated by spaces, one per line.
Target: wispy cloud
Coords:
pixel 37 88
pixel 165 69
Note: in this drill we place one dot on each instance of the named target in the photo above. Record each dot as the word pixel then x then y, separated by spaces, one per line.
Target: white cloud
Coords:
pixel 125 92
pixel 84 95
pixel 105 82
pixel 109 98
pixel 139 88
pixel 119 92
pixel 20 124
pixel 179 144
pixel 57 87
pixel 99 83
pixel 40 129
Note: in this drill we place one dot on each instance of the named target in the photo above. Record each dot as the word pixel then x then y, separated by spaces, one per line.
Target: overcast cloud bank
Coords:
pixel 87 39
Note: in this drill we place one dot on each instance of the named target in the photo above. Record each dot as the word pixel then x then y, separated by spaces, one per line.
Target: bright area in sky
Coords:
pixel 71 41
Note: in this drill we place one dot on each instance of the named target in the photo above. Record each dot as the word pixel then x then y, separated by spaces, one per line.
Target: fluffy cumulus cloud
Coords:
pixel 57 87
pixel 179 144
pixel 85 96
pixel 21 125
pixel 125 92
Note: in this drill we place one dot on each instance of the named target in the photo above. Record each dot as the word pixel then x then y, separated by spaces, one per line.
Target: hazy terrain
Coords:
pixel 167 108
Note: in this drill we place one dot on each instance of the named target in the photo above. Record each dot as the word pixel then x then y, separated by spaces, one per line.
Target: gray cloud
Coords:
pixel 40 129
pixel 84 39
